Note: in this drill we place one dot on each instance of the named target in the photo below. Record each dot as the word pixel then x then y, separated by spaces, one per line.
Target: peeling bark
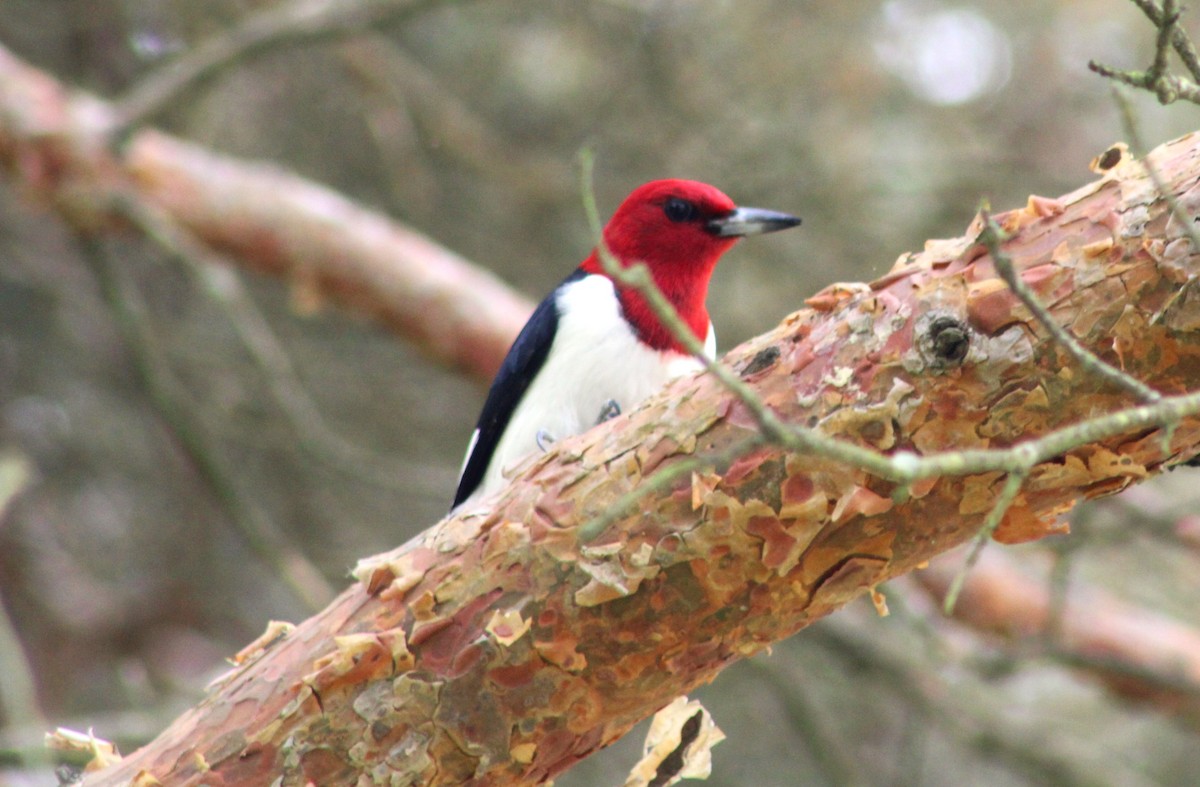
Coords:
pixel 500 647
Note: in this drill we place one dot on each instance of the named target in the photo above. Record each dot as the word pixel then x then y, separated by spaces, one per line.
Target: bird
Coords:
pixel 594 348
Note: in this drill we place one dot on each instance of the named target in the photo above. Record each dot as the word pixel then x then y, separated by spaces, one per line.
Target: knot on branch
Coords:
pixel 944 341
pixel 765 359
pixel 1109 158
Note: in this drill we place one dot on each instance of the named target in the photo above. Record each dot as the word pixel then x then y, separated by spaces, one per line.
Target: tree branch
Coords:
pixel 501 646
pixel 54 144
pixel 1138 653
pixel 1158 79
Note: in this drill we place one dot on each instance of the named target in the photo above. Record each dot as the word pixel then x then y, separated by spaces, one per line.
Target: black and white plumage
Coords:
pixel 592 344
pixel 559 375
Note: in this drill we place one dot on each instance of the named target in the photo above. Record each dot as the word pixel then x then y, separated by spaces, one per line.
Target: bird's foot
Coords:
pixel 544 440
pixel 609 411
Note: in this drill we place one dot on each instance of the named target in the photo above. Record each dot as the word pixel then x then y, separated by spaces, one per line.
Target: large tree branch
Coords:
pixel 1138 653
pixel 54 143
pixel 503 645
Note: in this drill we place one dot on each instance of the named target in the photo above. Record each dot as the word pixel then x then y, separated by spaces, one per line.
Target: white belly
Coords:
pixel 595 358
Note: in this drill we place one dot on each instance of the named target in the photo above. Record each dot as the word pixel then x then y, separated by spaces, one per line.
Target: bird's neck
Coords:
pixel 687 293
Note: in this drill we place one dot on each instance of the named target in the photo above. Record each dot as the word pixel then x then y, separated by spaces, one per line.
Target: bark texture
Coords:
pixel 500 646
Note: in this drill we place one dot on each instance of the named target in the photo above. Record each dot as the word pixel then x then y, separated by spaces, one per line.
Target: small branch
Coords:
pixel 662 480
pixel 262 535
pixel 1162 46
pixel 326 247
pixel 314 434
pixel 1179 37
pixel 299 21
pixel 1008 493
pixel 1168 88
pixel 638 277
pixel 1157 79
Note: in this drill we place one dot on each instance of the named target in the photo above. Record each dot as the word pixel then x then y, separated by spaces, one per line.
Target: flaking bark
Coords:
pixel 500 647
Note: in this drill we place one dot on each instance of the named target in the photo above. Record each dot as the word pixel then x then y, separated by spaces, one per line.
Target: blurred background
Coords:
pixel 125 571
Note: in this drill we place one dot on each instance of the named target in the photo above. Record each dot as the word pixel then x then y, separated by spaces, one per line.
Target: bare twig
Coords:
pixel 1179 37
pixel 261 533
pixel 1008 493
pixel 662 479
pixel 315 436
pixel 1157 79
pixel 638 277
pixel 274 26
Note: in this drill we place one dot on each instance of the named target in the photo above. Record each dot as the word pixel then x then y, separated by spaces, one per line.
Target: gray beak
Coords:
pixel 750 221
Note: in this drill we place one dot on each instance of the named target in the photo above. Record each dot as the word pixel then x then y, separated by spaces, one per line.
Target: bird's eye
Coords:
pixel 679 210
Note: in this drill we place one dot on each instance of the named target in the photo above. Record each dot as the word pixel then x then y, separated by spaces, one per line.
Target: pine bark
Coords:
pixel 503 645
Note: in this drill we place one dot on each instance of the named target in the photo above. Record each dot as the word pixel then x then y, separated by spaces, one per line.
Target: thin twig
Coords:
pixel 662 479
pixel 1168 89
pixel 261 533
pixel 1012 487
pixel 314 434
pixel 1162 46
pixel 300 21
pixel 1157 79
pixel 992 236
pixel 1179 37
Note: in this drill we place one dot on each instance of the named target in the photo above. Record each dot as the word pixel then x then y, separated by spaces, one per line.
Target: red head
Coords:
pixel 679 229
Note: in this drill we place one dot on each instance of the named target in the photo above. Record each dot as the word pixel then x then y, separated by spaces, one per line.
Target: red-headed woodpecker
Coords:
pixel 594 348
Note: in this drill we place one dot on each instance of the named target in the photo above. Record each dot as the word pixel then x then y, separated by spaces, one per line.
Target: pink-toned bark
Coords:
pixel 502 646
pixel 53 144
pixel 507 643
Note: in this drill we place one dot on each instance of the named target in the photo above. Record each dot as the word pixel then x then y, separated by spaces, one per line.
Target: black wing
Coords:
pixel 521 365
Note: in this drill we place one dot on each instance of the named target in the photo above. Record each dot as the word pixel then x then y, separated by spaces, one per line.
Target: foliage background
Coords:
pixel 122 574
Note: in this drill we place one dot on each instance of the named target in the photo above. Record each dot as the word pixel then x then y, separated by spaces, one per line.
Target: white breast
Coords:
pixel 595 357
